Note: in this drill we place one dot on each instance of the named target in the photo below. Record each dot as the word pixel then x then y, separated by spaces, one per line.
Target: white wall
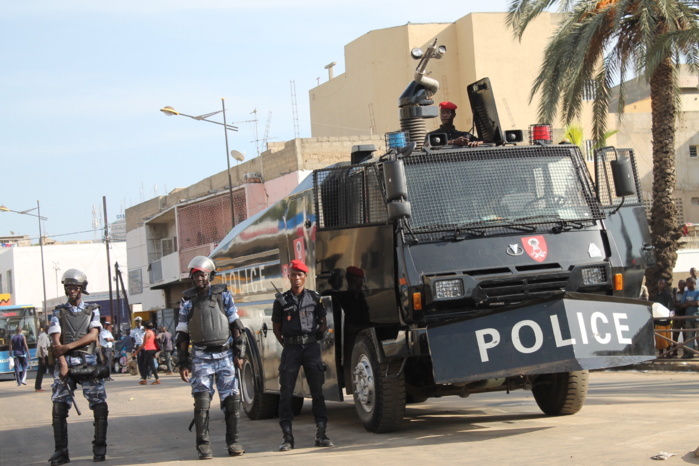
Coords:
pixel 90 258
pixel 138 259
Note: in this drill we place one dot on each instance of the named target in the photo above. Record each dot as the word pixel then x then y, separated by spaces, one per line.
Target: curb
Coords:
pixel 661 366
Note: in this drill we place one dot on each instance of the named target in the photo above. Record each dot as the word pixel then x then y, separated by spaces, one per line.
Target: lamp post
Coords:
pixel 41 243
pixel 169 111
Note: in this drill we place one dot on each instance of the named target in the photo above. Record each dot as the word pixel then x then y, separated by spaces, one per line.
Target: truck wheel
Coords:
pixel 379 400
pixel 296 405
pixel 257 405
pixel 561 393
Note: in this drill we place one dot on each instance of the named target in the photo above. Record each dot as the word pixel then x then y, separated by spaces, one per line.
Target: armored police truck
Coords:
pixel 451 270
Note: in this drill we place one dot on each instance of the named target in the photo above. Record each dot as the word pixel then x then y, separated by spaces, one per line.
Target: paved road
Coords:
pixel 628 417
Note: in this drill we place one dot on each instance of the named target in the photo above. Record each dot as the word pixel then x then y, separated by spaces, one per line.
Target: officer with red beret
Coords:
pixel 299 320
pixel 447 113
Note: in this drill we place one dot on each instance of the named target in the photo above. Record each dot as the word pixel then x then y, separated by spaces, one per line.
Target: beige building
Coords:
pixel 164 233
pixel 378 67
pixel 364 99
pixel 635 131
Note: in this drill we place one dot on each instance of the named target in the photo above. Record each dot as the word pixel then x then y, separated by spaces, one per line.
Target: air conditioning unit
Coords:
pixel 168 246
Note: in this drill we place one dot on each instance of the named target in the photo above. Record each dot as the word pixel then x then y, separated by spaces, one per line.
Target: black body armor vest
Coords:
pixel 208 323
pixel 76 326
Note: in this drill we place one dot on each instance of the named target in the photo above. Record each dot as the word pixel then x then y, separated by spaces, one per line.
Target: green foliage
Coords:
pixel 601 42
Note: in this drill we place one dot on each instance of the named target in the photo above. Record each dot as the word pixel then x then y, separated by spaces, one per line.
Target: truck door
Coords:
pixel 626 224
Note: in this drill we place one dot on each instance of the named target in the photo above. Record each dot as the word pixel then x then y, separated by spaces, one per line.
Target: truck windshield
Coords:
pixel 493 190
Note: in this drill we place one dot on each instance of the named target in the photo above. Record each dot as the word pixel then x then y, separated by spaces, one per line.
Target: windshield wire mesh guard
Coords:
pixel 462 192
pixel 349 196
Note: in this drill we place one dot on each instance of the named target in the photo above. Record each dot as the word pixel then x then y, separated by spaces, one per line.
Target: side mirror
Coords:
pixel 396 190
pixel 622 173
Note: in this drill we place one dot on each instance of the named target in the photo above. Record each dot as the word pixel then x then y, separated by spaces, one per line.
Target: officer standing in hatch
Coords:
pixel 73 331
pixel 298 324
pixel 208 319
pixel 447 113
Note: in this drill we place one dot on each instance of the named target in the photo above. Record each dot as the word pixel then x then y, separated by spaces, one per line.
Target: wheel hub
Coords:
pixel 364 389
pixel 247 384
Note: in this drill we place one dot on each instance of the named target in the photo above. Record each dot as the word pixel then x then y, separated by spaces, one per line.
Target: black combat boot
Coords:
pixel 322 440
pixel 60 433
pixel 231 410
pixel 288 440
pixel 202 401
pixel 99 445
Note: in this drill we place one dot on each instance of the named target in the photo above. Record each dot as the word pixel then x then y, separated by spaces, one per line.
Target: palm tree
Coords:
pixel 600 42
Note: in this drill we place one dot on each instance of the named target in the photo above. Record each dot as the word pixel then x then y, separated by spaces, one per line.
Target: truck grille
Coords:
pixel 515 289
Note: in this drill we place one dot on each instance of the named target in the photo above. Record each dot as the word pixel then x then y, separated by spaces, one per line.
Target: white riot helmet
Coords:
pixel 75 277
pixel 204 264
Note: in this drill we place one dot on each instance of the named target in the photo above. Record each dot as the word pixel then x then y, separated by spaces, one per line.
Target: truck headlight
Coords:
pixel 594 276
pixel 445 289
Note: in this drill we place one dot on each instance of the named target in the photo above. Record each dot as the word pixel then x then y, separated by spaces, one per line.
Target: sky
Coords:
pixel 83 81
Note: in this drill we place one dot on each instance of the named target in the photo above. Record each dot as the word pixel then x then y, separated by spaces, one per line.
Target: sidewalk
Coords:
pixel 667 365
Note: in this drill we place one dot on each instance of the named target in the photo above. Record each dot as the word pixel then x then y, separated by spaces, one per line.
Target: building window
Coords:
pixel 589 91
pixel 589 150
pixel 135 282
pixel 9 281
pixel 1 289
pixel 693 152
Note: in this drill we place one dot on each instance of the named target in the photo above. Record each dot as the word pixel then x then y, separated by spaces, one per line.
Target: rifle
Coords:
pixel 279 297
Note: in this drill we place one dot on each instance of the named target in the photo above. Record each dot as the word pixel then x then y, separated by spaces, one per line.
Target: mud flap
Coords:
pixel 570 333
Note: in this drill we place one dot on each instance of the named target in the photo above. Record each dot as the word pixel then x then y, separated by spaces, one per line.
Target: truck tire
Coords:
pixel 562 393
pixel 257 405
pixel 379 400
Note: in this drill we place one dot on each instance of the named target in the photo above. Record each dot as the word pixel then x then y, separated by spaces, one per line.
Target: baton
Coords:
pixel 72 396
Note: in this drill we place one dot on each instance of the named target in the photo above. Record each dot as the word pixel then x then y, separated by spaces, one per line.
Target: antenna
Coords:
pixel 257 138
pixel 266 136
pixel 294 109
pixel 95 222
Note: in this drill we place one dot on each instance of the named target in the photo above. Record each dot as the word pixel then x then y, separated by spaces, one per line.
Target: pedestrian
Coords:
pixel 208 320
pixel 165 340
pixel 644 293
pixel 298 324
pixel 678 325
pixel 149 347
pixel 137 334
pixel 20 353
pixel 107 344
pixel 690 300
pixel 74 331
pixel 664 297
pixel 693 273
pixel 42 357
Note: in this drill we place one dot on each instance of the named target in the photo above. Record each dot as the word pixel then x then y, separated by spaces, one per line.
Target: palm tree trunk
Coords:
pixel 665 230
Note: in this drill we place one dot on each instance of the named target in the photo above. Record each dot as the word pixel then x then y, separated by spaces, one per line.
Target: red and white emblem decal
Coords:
pixel 536 247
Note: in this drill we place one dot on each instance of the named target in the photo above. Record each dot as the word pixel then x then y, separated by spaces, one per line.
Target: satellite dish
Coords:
pixel 237 155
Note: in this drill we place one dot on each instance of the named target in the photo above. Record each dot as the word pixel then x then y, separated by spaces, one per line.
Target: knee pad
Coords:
pixel 202 401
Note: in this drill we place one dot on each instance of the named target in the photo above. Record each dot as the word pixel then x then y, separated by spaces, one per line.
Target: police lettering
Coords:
pixel 596 326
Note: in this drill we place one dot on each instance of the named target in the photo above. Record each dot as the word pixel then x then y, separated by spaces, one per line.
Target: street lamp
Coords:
pixel 41 243
pixel 169 111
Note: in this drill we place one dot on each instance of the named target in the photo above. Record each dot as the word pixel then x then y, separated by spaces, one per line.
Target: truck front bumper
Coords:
pixel 570 333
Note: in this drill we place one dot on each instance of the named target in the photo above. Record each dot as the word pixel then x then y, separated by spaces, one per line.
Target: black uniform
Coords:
pixel 299 321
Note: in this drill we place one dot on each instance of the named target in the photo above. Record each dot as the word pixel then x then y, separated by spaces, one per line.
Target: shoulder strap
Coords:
pixel 190 293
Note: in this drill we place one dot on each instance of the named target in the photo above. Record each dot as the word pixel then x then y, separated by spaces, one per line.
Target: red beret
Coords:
pixel 298 265
pixel 356 271
pixel 448 105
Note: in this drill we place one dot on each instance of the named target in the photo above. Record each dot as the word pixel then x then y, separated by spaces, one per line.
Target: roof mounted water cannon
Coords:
pixel 415 103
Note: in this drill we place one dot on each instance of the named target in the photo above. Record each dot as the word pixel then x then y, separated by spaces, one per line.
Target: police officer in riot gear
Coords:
pixel 73 331
pixel 208 319
pixel 299 321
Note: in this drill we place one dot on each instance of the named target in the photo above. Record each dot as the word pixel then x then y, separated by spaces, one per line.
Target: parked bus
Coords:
pixel 12 317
